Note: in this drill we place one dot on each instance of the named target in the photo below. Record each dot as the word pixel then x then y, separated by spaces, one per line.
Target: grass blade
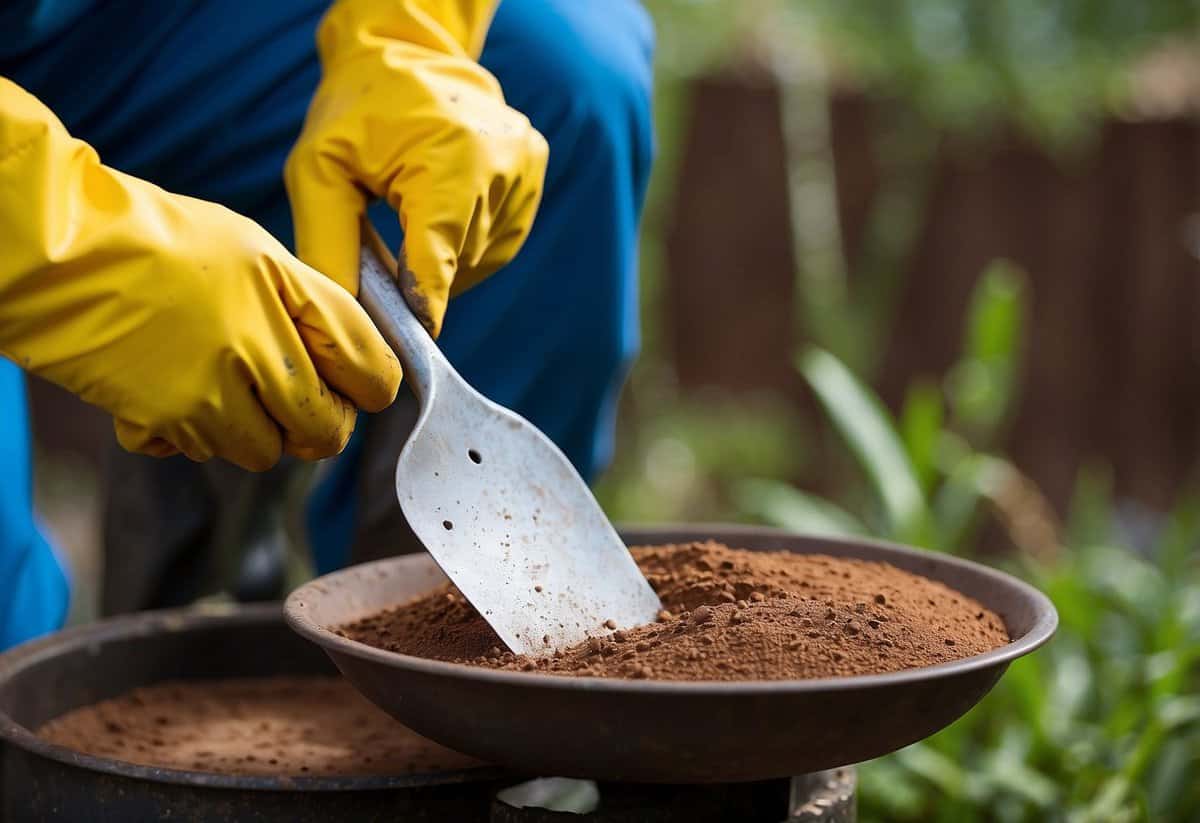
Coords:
pixel 779 504
pixel 868 430
pixel 921 425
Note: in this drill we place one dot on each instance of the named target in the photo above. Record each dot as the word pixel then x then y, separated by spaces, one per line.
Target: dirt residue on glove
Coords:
pixel 729 615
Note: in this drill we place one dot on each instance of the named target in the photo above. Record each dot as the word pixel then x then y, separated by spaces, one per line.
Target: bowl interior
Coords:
pixel 81 666
pixel 350 594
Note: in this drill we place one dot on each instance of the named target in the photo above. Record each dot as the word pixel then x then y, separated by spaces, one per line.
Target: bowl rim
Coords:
pixel 204 615
pixel 1042 629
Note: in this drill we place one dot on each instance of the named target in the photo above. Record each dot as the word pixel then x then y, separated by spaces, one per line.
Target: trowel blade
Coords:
pixel 510 521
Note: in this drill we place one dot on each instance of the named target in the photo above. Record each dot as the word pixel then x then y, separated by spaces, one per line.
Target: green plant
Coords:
pixel 1101 725
pixel 1104 723
pixel 930 469
pixel 679 464
pixel 1051 67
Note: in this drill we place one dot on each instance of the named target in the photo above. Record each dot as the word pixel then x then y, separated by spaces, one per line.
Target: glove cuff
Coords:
pixel 455 27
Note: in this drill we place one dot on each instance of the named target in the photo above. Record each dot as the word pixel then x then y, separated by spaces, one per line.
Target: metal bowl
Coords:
pixel 678 732
pixel 45 678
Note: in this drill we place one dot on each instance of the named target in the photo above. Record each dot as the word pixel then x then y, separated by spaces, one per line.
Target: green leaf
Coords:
pixel 1112 804
pixel 974 478
pixel 1016 778
pixel 1181 535
pixel 1025 683
pixel 1091 509
pixel 779 504
pixel 867 428
pixel 1180 711
pixel 937 768
pixel 981 385
pixel 995 314
pixel 1070 686
pixel 1172 778
pixel 921 425
pixel 888 791
pixel 1006 771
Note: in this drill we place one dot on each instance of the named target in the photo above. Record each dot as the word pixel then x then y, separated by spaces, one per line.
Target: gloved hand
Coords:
pixel 190 324
pixel 405 112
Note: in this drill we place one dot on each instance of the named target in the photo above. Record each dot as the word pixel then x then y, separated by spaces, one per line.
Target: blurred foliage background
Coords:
pixel 1104 723
pixel 928 270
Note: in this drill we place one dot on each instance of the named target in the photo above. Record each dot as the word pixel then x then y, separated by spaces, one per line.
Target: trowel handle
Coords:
pixel 380 294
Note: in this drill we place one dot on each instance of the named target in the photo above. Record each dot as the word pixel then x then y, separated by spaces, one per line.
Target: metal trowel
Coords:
pixel 496 503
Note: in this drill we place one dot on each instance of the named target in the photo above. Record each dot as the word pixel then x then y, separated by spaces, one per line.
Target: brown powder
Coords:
pixel 728 615
pixel 296 726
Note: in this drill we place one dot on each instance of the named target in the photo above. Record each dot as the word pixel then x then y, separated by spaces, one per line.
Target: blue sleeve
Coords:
pixel 34 593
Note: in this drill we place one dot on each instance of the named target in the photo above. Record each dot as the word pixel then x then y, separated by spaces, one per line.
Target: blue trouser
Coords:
pixel 205 98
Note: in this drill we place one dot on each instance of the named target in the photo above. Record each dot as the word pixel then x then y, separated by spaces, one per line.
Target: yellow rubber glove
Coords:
pixel 191 325
pixel 404 112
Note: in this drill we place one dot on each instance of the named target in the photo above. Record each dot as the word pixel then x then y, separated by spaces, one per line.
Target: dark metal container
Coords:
pixel 43 679
pixel 670 731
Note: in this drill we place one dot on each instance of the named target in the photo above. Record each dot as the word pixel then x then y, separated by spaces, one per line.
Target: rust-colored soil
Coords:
pixel 730 615
pixel 297 726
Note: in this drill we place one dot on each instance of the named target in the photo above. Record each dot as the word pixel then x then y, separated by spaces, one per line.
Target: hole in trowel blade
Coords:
pixel 475 456
pixel 447 525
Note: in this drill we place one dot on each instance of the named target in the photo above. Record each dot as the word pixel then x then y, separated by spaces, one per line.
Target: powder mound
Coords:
pixel 268 726
pixel 728 614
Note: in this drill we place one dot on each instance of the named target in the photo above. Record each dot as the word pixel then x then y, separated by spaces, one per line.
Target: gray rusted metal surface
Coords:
pixel 824 797
pixel 763 801
pixel 497 504
pixel 670 732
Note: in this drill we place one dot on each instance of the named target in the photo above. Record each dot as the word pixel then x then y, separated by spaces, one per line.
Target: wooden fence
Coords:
pixel 1111 363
